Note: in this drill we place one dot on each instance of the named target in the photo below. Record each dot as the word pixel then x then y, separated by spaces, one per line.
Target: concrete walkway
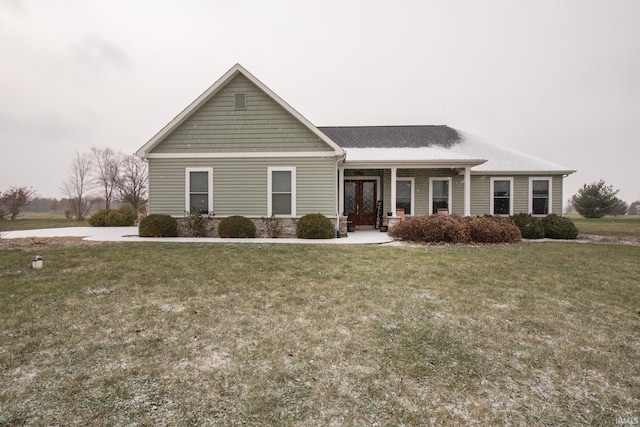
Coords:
pixel 130 234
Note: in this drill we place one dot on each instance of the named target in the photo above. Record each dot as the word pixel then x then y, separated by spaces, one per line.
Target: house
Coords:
pixel 239 149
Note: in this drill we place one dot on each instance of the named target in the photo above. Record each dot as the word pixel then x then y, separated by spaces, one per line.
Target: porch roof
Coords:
pixel 432 146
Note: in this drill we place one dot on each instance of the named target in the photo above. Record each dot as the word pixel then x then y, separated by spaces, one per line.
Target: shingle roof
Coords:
pixel 392 136
pixel 365 144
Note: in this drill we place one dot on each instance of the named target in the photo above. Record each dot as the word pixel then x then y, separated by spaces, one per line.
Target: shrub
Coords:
pixel 236 226
pixel 196 223
pixel 452 229
pixel 315 226
pixel 530 226
pixel 158 225
pixel 123 217
pixel 99 219
pixel 492 229
pixel 558 227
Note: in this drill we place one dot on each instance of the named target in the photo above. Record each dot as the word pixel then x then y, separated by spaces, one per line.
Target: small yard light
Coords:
pixel 37 262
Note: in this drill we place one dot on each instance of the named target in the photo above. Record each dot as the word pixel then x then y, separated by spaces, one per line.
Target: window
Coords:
pixel 501 199
pixel 198 194
pixel 540 196
pixel 240 101
pixel 440 195
pixel 404 195
pixel 282 191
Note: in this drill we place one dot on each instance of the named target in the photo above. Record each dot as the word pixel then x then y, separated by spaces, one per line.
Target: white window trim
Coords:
pixel 413 192
pixel 272 169
pixel 187 189
pixel 540 178
pixel 492 196
pixel 431 180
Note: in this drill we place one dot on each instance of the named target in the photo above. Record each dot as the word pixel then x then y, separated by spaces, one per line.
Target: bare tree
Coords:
pixel 107 172
pixel 14 199
pixel 132 184
pixel 77 186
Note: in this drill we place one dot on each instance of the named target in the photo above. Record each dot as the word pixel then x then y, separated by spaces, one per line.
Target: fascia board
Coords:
pixel 431 164
pixel 523 172
pixel 240 155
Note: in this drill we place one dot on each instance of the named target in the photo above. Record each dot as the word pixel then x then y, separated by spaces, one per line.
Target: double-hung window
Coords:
pixel 440 194
pixel 198 190
pixel 281 197
pixel 501 196
pixel 404 195
pixel 540 196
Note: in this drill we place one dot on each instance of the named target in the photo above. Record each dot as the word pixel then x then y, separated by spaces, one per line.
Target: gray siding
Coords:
pixel 240 185
pixel 480 194
pixel 264 126
pixel 421 191
pixel 480 186
pixel 480 190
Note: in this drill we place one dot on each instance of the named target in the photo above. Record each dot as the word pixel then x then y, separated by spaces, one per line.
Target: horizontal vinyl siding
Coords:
pixel 421 192
pixel 264 126
pixel 240 185
pixel 480 188
pixel 480 193
pixel 520 194
pixel 558 197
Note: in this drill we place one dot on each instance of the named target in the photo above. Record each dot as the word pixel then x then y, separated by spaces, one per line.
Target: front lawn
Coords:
pixel 197 334
pixel 609 225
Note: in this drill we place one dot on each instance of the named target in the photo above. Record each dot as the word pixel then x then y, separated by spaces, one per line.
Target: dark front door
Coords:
pixel 360 201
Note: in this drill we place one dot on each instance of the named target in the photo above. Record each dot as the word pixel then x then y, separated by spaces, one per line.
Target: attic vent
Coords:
pixel 241 101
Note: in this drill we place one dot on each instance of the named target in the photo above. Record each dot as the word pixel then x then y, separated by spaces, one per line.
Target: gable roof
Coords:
pixel 214 89
pixel 434 144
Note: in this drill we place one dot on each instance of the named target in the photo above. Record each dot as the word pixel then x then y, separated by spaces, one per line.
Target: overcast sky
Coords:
pixel 557 79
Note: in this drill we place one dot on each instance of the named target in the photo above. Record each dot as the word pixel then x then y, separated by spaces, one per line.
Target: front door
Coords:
pixel 360 201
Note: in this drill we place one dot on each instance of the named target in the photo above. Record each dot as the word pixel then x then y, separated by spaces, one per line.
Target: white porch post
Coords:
pixel 467 191
pixel 394 173
pixel 340 190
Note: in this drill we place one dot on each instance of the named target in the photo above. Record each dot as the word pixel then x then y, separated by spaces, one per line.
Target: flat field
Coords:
pixel 609 225
pixel 38 220
pixel 222 334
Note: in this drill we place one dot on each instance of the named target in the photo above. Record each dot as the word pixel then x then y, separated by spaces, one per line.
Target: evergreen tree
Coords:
pixel 595 200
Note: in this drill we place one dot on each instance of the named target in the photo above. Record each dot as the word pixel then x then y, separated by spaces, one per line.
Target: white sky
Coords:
pixel 559 79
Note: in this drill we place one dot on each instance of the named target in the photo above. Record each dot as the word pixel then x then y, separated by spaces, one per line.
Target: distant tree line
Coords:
pixel 103 175
pixel 101 178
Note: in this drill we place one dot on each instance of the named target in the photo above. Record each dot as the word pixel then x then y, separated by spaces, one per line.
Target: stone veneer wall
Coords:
pixel 265 227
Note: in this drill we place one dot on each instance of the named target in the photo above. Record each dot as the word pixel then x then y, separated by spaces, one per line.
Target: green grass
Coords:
pixel 197 334
pixel 609 225
pixel 38 220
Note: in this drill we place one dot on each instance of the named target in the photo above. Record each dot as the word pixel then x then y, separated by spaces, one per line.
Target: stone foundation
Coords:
pixel 265 227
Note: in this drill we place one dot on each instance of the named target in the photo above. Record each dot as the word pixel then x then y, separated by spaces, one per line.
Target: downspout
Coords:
pixel 467 191
pixel 339 206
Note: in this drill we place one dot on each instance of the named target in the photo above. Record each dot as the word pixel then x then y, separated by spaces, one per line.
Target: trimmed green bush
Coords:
pixel 158 225
pixel 315 226
pixel 558 227
pixel 236 226
pixel 457 230
pixel 123 217
pixel 530 226
pixel 99 219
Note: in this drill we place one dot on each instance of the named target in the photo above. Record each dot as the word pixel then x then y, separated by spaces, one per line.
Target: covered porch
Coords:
pixel 373 194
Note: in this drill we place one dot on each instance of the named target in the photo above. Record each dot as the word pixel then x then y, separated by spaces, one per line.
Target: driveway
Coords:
pixel 130 234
